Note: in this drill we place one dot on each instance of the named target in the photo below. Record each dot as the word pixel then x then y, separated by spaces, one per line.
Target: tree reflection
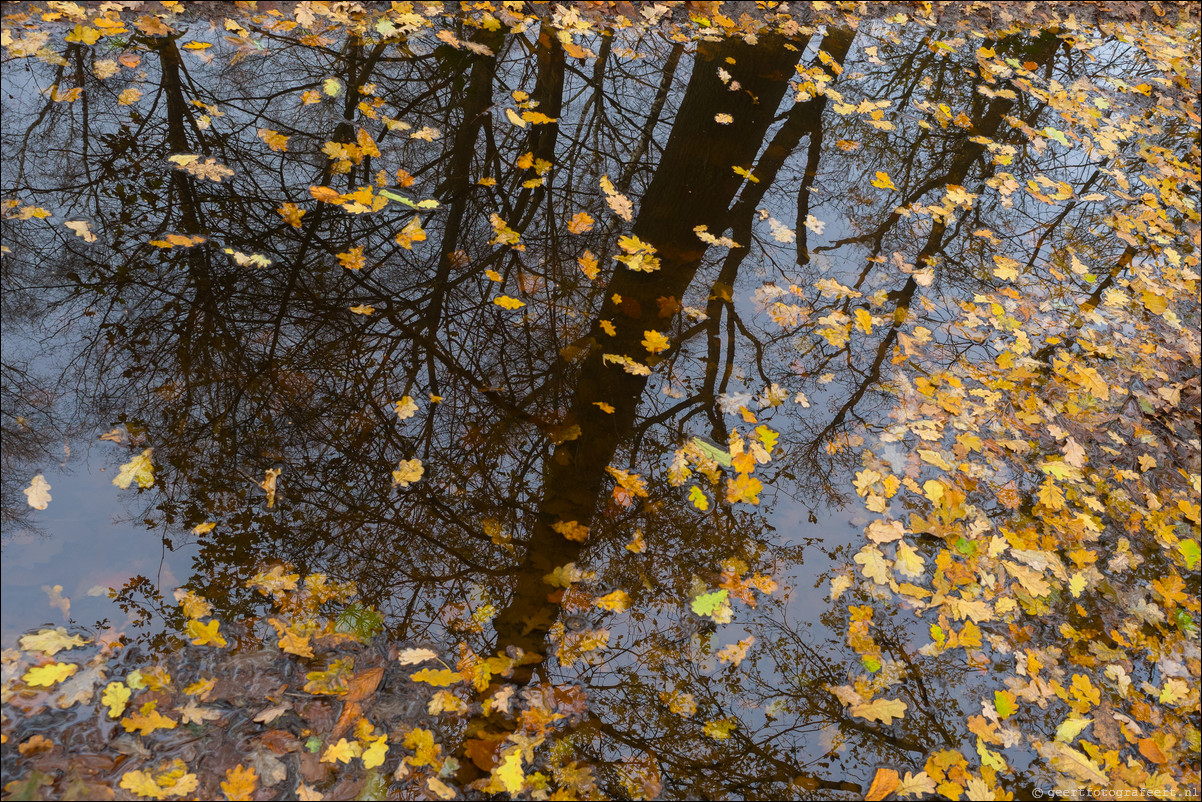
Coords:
pixel 244 352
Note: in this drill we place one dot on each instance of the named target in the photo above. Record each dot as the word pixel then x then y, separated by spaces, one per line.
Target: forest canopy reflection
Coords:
pixel 550 327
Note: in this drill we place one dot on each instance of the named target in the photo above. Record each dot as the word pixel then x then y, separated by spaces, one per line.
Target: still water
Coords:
pixel 436 303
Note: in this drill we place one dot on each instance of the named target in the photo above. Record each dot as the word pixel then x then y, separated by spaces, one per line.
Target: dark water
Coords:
pixel 244 347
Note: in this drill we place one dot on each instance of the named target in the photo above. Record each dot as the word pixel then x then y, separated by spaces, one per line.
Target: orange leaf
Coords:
pixel 884 783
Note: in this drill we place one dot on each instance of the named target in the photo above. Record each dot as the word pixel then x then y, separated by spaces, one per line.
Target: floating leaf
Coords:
pixel 139 469
pixel 38 493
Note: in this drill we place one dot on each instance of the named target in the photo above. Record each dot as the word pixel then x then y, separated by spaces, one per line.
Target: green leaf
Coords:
pixel 429 203
pixel 712 450
pixel 871 663
pixel 313 744
pixel 709 603
pixel 1189 550
pixel 362 622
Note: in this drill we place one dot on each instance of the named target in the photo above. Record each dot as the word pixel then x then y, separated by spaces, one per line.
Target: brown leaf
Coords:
pixel 482 752
pixel 35 746
pixel 364 684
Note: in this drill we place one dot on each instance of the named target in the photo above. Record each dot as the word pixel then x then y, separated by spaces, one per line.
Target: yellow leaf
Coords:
pixel 655 342
pixel 513 117
pixel 580 223
pixel 405 408
pixel 438 677
pixel 408 472
pixel 83 35
pixel 49 674
pixel 589 265
pixel 883 181
pixel 81 229
pixel 743 488
pixel 572 530
pixel 882 710
pixel 505 302
pixel 411 233
pixel 205 634
pixel 699 499
pixel 166 780
pixel 373 755
pixel 537 118
pixel 115 697
pixel 139 469
pixel 873 564
pixel 352 259
pixel 51 641
pixel 746 174
pixel 274 139
pixel 719 729
pixel 147 720
pixel 617 601
pixel 1005 268
pixel 239 783
pixel 604 407
pixel 508 775
pixel 342 752
pixel 885 531
pixel 362 309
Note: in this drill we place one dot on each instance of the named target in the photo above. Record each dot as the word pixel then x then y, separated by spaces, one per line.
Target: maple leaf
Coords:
pixel 139 469
pixel 240 783
pixel 205 634
pixel 274 139
pixel 883 181
pixel 743 487
pixel 352 259
pixel 292 214
pixel 654 341
pixel 407 472
pixel 580 223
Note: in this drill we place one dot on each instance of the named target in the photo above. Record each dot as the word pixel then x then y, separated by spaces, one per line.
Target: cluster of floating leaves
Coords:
pixel 309 704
